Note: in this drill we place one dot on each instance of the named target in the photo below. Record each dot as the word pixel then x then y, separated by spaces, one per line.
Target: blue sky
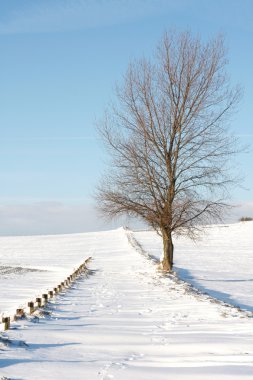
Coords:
pixel 59 62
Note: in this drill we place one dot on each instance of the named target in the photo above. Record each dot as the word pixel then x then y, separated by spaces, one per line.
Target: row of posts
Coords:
pixel 41 301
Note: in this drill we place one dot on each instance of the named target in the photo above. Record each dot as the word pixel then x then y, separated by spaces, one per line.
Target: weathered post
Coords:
pixel 51 293
pixel 19 314
pixel 31 307
pixel 6 321
pixel 39 301
pixel 45 298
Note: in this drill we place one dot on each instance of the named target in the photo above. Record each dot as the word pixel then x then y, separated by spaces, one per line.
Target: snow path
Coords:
pixel 124 321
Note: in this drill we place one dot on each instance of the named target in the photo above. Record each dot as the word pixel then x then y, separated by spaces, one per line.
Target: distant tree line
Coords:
pixel 245 219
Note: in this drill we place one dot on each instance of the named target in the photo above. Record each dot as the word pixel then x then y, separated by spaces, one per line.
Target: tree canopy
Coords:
pixel 169 140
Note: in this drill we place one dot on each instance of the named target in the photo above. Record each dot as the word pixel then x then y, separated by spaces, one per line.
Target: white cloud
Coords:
pixel 48 138
pixel 39 218
pixel 48 218
pixel 250 135
pixel 242 208
pixel 65 15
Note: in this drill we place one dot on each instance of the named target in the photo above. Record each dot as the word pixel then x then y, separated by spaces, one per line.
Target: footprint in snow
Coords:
pixel 159 339
pixel 103 374
pixel 117 366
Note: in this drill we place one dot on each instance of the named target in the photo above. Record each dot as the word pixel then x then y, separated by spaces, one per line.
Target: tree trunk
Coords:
pixel 168 248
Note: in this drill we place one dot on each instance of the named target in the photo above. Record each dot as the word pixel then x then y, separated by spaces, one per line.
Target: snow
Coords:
pixel 220 263
pixel 32 265
pixel 122 319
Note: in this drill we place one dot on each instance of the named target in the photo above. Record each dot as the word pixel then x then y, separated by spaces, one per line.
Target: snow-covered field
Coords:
pixel 30 265
pixel 124 320
pixel 220 263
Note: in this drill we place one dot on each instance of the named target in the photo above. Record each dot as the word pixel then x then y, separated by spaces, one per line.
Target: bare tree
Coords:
pixel 169 141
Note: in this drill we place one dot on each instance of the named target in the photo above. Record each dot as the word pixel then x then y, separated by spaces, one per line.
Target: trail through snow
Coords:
pixel 122 320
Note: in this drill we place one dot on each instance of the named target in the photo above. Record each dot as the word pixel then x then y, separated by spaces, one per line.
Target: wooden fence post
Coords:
pixel 19 313
pixel 39 302
pixel 51 293
pixel 31 307
pixel 45 298
pixel 6 322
